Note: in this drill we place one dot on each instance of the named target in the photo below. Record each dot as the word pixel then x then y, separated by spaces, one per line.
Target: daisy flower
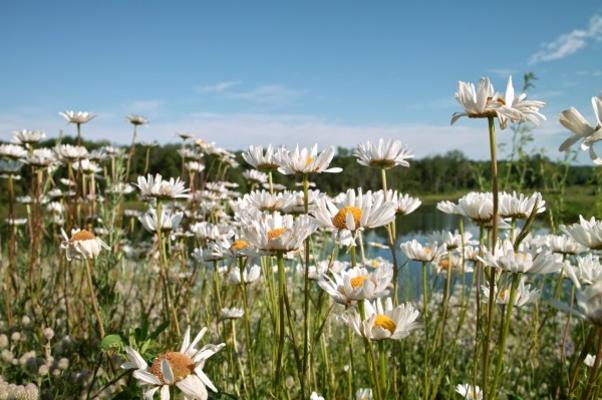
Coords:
pixel 588 270
pixel 275 232
pixel 524 294
pixel 41 158
pixel 27 137
pixel 519 206
pixel 77 117
pixel 469 392
pixel 170 220
pixel 255 176
pixel 383 321
pixel 306 161
pixel 357 283
pixel 355 211
pixel 576 123
pixel 262 160
pixel 588 233
pixel 404 203
pixel 384 154
pixel 12 151
pixel 183 368
pixel 249 275
pixel 477 103
pixel 589 301
pixel 137 120
pixel 417 252
pixel 157 187
pixel 83 244
pixel 70 153
pixel 521 261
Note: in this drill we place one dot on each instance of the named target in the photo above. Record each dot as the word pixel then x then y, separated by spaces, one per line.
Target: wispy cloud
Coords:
pixel 142 106
pixel 569 43
pixel 218 88
pixel 501 72
pixel 266 95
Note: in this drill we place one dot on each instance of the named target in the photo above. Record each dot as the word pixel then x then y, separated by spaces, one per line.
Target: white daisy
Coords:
pixel 576 123
pixel 137 120
pixel 12 151
pixel 306 161
pixel 355 211
pixel 383 321
pixel 28 137
pixel 77 117
pixel 261 160
pixel 157 187
pixel 384 154
pixel 469 392
pixel 278 233
pixel 357 283
pixel 588 233
pixel 83 244
pixel 417 252
pixel 183 368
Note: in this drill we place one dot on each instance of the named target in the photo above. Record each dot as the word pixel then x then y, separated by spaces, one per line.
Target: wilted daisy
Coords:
pixel 183 368
pixel 588 233
pixel 589 360
pixel 232 313
pixel 357 283
pixel 157 187
pixel 169 220
pixel 278 233
pixel 404 203
pixel 576 123
pixel 262 160
pixel 306 161
pixel 383 321
pixel 137 120
pixel 249 275
pixel 83 244
pixel 28 137
pixel 524 294
pixel 355 211
pixel 417 252
pixel 469 392
pixel 384 154
pixel 12 151
pixel 77 117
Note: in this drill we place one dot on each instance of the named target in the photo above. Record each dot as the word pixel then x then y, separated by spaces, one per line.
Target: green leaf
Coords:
pixel 111 342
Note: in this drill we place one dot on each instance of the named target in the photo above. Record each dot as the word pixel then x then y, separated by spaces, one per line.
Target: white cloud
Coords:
pixel 217 88
pixel 271 95
pixel 238 131
pixel 145 106
pixel 569 43
pixel 501 72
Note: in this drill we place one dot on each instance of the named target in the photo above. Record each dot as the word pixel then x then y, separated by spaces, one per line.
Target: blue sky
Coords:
pixel 254 72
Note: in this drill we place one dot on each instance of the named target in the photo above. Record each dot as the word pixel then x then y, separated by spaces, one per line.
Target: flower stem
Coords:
pixel 425 383
pixel 494 234
pixel 279 362
pixel 306 310
pixel 505 330
pixel 101 328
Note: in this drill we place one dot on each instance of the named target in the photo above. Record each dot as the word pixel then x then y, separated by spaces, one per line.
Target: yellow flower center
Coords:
pixel 384 322
pixel 444 264
pixel 340 219
pixel 308 161
pixel 502 295
pixel 82 235
pixel 358 281
pixel 276 233
pixel 239 245
pixel 181 365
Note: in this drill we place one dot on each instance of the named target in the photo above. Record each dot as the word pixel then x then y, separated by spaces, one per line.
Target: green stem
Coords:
pixel 425 383
pixel 593 373
pixel 306 309
pixel 279 362
pixel 506 328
